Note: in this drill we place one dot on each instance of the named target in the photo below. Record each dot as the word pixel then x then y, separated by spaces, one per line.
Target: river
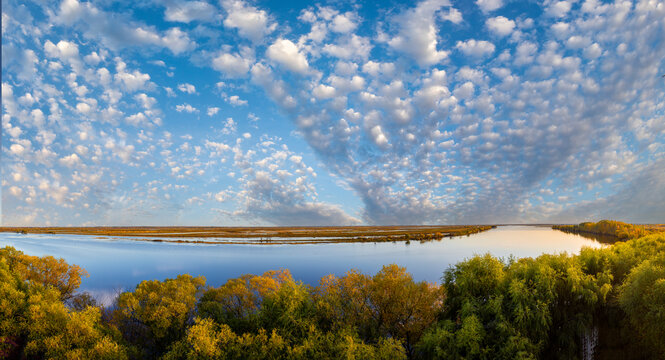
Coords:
pixel 116 263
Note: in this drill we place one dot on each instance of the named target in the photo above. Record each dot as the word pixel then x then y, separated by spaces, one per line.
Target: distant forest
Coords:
pixel 549 307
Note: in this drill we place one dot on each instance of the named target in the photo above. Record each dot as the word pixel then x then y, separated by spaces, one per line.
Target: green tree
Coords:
pixel 642 297
pixel 157 313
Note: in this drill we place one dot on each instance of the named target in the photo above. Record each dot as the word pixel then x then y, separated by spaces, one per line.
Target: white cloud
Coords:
pixel 379 137
pixel 16 191
pixel 187 88
pixel 64 49
pixel 93 58
pixel 286 53
pixel 188 11
pixel 70 161
pixel 558 8
pixel 417 35
pixel 119 33
pixel 83 108
pixel 252 23
pixel 232 65
pixel 186 108
pixel 593 51
pixel 453 15
pixel 221 196
pixel 235 100
pixel 38 117
pixel 177 41
pixel 323 91
pixel 81 150
pixel 138 119
pixel 489 5
pixel 17 149
pixel 350 48
pixel 525 52
pixel 212 111
pixel 375 68
pixel 500 25
pixel 146 101
pixel 131 81
pixel 343 23
pixel 475 48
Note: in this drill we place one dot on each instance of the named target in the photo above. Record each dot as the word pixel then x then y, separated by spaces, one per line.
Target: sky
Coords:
pixel 234 112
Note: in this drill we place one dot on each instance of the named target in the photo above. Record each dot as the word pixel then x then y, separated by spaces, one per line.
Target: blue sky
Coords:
pixel 235 112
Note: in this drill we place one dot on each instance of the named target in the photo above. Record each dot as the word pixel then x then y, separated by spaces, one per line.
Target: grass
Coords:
pixel 265 235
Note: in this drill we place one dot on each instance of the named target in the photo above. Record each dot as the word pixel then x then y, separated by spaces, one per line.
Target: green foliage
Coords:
pixel 207 339
pixel 525 309
pixel 157 313
pixel 642 297
pixel 238 301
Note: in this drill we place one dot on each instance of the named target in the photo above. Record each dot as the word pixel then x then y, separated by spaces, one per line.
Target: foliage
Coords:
pixel 34 321
pixel 157 313
pixel 388 305
pixel 642 297
pixel 617 229
pixel 485 308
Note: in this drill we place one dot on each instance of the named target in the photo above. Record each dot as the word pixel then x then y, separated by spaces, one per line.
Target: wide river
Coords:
pixel 116 263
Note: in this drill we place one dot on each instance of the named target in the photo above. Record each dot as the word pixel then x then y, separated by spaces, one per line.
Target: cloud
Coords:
pixel 343 23
pixel 323 91
pixel 212 111
pixel 235 100
pixel 251 23
pixel 453 15
pixel 118 33
pixel 131 81
pixel 277 191
pixel 232 65
pixel 286 53
pixel 640 200
pixel 70 161
pixel 186 108
pixel 355 47
pixel 188 11
pixel 417 36
pixel 498 132
pixel 558 8
pixel 187 88
pixel 489 5
pixel 475 48
pixel 500 26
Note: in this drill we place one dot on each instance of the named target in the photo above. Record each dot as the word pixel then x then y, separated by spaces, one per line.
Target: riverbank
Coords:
pixel 617 229
pixel 265 235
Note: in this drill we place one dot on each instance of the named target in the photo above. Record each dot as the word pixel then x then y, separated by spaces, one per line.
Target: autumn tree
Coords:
pixel 157 313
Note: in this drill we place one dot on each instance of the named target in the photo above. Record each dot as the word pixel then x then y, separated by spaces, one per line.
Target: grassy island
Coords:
pixel 265 235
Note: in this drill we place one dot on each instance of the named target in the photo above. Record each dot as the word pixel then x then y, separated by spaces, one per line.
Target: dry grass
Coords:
pixel 266 235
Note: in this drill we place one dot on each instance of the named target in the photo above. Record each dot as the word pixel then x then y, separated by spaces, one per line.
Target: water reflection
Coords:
pixel 605 239
pixel 116 263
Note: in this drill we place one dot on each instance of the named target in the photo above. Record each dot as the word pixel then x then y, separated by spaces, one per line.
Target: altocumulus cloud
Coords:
pixel 424 113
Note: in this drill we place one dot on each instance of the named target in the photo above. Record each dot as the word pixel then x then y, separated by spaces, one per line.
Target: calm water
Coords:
pixel 116 263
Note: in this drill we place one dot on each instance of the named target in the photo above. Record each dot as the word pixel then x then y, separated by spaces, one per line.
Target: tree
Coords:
pixel 157 313
pixel 642 297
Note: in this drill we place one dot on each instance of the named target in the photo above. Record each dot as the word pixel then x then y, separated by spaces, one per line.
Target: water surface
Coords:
pixel 116 263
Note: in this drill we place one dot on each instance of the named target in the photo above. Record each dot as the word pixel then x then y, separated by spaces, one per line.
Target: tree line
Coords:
pixel 618 229
pixel 484 308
